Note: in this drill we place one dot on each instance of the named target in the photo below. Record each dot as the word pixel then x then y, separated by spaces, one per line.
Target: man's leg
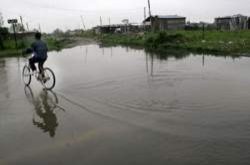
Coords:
pixel 32 62
pixel 40 66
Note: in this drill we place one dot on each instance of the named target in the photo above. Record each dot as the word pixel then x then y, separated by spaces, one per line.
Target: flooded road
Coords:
pixel 124 106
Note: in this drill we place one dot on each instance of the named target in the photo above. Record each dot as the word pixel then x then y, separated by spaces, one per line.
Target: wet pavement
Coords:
pixel 124 106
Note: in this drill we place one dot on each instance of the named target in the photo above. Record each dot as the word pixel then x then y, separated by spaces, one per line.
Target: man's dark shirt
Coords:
pixel 40 49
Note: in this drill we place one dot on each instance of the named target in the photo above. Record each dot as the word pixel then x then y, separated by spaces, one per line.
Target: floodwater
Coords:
pixel 122 106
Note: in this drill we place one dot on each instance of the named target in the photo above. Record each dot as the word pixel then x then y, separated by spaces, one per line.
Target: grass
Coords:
pixel 54 43
pixel 215 42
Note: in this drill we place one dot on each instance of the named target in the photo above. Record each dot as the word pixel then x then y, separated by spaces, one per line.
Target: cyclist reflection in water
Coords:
pixel 44 107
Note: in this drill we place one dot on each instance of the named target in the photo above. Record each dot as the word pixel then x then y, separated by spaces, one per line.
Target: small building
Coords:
pixel 235 22
pixel 166 22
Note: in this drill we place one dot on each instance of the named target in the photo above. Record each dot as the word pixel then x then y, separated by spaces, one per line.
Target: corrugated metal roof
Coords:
pixel 165 17
pixel 229 17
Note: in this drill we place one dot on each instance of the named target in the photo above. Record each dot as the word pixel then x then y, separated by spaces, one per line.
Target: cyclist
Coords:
pixel 39 49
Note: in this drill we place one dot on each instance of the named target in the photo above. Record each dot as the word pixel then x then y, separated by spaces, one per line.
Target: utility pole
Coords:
pixel 149 8
pixel 109 21
pixel 100 20
pixel 21 19
pixel 149 12
pixel 14 30
pixel 27 26
pixel 203 30
pixel 13 22
pixel 39 27
pixel 84 28
pixel 145 15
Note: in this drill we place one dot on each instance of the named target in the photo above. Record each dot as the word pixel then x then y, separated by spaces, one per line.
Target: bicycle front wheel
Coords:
pixel 49 80
pixel 26 75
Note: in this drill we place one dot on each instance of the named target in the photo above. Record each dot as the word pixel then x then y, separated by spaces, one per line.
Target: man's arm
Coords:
pixel 29 50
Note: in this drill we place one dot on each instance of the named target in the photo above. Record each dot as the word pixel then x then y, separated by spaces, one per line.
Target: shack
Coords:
pixel 166 22
pixel 232 23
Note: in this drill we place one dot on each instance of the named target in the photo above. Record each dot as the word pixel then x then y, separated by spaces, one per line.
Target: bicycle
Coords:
pixel 48 81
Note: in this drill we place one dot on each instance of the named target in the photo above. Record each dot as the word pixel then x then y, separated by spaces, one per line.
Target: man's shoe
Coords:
pixel 33 73
pixel 39 77
pixel 45 79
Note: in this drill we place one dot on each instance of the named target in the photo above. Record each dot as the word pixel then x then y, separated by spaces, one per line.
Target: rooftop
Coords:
pixel 229 17
pixel 165 17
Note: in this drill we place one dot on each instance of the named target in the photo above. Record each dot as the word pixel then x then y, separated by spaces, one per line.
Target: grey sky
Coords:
pixel 65 14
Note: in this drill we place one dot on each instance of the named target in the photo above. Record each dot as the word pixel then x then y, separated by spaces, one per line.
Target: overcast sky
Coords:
pixel 65 14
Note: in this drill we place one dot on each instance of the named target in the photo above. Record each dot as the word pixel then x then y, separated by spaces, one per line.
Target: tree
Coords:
pixel 57 32
pixel 1 20
pixel 125 21
pixel 1 37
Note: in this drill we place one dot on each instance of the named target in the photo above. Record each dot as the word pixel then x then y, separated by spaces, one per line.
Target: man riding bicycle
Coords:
pixel 46 76
pixel 39 49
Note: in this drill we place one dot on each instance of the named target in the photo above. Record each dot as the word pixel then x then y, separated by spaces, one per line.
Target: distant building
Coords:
pixel 199 26
pixel 235 22
pixel 166 22
pixel 118 28
pixel 23 34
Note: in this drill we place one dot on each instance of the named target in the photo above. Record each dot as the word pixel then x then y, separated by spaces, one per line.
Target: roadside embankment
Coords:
pixel 209 42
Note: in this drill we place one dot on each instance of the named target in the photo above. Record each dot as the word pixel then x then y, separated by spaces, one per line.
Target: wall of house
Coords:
pixel 234 23
pixel 223 24
pixel 169 24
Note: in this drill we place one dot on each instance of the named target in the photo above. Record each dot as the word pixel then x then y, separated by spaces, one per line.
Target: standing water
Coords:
pixel 125 106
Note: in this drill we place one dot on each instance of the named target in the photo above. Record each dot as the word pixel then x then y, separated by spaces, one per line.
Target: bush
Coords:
pixel 4 32
pixel 159 38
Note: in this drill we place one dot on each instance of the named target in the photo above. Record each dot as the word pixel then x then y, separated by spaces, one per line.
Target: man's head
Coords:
pixel 38 35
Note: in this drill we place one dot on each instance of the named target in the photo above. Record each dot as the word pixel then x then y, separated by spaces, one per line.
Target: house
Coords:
pixel 166 22
pixel 235 22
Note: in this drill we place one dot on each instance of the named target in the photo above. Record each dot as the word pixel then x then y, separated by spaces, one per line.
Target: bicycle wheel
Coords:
pixel 26 75
pixel 29 94
pixel 49 80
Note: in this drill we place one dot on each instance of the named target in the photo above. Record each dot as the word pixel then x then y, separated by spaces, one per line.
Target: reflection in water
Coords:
pixel 45 105
pixel 4 91
pixel 86 54
pixel 178 55
pixel 203 60
pixel 169 54
pixel 151 64
pixel 111 52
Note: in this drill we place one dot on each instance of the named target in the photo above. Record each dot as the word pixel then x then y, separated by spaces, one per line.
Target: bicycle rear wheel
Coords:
pixel 49 80
pixel 26 75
